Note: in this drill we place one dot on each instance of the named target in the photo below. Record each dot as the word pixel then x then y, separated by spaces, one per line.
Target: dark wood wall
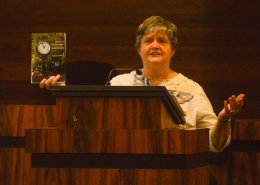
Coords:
pixel 218 41
pixel 219 46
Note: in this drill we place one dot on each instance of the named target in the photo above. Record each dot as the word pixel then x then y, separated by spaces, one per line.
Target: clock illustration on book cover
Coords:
pixel 43 47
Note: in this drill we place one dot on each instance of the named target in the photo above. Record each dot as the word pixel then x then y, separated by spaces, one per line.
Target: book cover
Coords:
pixel 48 54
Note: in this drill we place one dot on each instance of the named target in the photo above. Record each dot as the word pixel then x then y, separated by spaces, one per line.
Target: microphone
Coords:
pixel 138 72
pixel 146 81
pixel 110 76
pixel 114 72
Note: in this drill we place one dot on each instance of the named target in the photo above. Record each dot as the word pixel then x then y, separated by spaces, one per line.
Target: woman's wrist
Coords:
pixel 224 119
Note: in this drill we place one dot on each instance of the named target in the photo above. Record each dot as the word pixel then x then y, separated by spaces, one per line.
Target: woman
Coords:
pixel 156 41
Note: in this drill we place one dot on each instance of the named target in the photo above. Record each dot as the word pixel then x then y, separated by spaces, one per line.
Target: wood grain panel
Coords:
pixel 219 173
pixel 9 120
pixel 246 168
pixel 246 130
pixel 11 166
pixel 130 141
pixel 116 176
pixel 16 118
pixel 112 112
pixel 246 156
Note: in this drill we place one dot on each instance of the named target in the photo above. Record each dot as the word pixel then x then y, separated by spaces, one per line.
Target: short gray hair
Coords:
pixel 156 24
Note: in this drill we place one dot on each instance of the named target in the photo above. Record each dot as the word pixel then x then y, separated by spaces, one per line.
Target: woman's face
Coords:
pixel 156 48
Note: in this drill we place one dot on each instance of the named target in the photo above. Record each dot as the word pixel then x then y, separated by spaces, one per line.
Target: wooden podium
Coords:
pixel 116 136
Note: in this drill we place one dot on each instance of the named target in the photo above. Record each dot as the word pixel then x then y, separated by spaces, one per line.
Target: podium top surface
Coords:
pixel 122 91
pixel 112 91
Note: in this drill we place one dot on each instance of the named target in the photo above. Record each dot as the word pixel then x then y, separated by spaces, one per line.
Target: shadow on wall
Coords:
pixel 86 72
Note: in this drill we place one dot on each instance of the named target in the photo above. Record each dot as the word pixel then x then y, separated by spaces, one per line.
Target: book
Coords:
pixel 48 56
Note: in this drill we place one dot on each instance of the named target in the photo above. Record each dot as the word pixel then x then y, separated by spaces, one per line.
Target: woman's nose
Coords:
pixel 155 44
